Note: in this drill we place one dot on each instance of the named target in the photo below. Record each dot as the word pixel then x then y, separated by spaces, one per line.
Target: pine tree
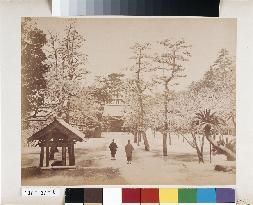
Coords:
pixel 33 68
pixel 170 62
pixel 139 86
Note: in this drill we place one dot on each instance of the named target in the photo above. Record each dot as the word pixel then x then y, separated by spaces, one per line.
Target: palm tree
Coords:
pixel 210 123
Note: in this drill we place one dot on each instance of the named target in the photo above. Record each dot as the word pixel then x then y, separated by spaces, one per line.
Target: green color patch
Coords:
pixel 187 195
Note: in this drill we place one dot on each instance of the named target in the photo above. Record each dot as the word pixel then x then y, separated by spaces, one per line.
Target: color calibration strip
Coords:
pixel 140 7
pixel 148 196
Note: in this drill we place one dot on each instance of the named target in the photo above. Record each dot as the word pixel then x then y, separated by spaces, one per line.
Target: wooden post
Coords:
pixel 47 156
pixel 70 155
pixel 64 156
pixel 210 152
pixel 73 155
pixel 41 156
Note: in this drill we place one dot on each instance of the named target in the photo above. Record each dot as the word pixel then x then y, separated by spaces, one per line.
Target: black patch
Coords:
pixel 74 195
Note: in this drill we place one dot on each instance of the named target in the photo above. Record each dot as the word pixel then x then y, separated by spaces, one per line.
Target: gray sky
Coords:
pixel 109 39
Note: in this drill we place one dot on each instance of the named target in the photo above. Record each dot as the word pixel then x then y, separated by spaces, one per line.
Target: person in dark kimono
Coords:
pixel 129 151
pixel 113 147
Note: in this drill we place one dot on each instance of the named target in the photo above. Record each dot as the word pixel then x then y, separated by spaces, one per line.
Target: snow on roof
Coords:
pixel 113 110
pixel 63 127
pixel 71 128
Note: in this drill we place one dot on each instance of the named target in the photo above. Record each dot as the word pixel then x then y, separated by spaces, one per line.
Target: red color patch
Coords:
pixel 149 195
pixel 131 195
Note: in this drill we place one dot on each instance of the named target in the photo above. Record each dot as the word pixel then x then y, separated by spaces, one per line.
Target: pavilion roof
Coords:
pixel 61 126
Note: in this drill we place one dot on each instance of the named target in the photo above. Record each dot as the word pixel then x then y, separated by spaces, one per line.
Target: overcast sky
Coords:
pixel 109 39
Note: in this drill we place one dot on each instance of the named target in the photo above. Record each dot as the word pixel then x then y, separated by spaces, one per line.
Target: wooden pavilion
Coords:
pixel 57 134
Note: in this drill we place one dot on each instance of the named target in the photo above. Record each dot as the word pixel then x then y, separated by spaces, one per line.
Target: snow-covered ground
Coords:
pixel 180 167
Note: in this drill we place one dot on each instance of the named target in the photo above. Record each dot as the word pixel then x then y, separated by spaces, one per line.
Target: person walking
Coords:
pixel 113 147
pixel 129 151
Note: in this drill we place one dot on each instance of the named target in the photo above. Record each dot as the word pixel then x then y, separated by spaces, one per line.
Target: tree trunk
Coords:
pixel 135 137
pixel 141 112
pixel 200 156
pixel 234 123
pixel 202 144
pixel 138 138
pixel 147 148
pixel 169 139
pixel 230 154
pixel 165 153
pixel 140 132
pixel 68 112
pixel 165 127
pixel 199 151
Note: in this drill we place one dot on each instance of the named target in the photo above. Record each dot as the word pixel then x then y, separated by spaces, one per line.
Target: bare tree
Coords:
pixel 170 62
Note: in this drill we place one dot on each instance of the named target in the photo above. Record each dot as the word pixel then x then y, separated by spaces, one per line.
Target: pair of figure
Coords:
pixel 128 149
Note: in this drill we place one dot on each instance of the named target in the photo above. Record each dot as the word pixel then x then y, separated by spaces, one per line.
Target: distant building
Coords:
pixel 113 113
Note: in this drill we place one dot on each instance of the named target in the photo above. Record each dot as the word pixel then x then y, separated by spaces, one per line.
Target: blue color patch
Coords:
pixel 207 195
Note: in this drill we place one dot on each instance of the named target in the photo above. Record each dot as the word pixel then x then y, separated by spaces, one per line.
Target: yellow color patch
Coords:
pixel 167 203
pixel 168 195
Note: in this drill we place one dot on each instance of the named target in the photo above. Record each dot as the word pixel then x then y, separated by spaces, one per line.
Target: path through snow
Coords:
pixel 179 167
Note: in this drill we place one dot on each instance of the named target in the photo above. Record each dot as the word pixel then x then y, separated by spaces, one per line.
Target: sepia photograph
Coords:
pixel 128 101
